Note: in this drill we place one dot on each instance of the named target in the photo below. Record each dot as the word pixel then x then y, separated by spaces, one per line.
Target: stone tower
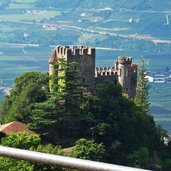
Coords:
pixel 127 75
pixel 84 59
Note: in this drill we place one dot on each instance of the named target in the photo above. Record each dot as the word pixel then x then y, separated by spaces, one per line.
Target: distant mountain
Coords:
pixel 115 4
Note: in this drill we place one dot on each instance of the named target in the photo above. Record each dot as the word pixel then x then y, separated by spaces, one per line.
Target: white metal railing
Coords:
pixel 61 161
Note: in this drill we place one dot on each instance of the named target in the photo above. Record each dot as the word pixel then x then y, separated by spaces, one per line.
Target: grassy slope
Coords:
pixel 115 4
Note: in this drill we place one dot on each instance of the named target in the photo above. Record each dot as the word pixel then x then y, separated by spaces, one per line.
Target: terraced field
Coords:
pixel 17 60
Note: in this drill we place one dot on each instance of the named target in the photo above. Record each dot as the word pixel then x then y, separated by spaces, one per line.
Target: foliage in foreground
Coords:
pixel 27 142
pixel 85 149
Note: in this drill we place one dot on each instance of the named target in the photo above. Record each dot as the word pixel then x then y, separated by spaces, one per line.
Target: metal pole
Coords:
pixel 61 161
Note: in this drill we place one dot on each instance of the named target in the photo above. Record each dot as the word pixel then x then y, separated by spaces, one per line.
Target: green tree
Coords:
pixel 120 123
pixel 21 140
pixel 88 149
pixel 142 93
pixel 39 78
pixel 47 119
pixel 29 88
pixel 140 158
pixel 166 165
pixel 58 118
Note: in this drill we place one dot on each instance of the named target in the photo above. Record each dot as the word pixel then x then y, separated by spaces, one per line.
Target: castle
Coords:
pixel 123 71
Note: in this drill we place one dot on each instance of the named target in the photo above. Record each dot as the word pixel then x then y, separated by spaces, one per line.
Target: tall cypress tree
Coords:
pixel 142 91
pixel 59 116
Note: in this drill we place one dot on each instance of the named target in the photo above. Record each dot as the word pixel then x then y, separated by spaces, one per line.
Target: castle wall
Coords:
pixel 105 74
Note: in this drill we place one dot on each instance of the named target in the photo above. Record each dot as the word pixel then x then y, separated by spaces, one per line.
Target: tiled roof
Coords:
pixel 15 127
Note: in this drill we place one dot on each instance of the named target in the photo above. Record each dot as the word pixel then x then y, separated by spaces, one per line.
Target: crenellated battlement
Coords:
pixel 124 60
pixel 74 50
pixel 71 51
pixel 105 71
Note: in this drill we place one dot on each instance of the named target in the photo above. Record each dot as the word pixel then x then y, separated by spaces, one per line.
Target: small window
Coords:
pixel 75 68
pixel 83 80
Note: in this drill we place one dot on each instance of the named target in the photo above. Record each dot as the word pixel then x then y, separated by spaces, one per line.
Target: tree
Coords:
pixel 58 118
pixel 140 158
pixel 120 124
pixel 142 93
pixel 39 78
pixel 29 88
pixel 47 120
pixel 21 140
pixel 166 165
pixel 88 149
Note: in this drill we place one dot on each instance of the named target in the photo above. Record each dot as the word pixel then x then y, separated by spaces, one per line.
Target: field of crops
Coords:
pixel 17 60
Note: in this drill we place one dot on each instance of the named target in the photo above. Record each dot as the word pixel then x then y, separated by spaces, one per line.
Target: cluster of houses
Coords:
pixel 51 26
pixel 34 11
pixel 159 78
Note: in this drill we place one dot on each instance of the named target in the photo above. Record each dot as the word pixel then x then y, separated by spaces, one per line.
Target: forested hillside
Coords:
pixel 115 4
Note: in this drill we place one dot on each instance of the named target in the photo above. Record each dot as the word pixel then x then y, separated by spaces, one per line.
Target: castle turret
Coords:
pixel 124 74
